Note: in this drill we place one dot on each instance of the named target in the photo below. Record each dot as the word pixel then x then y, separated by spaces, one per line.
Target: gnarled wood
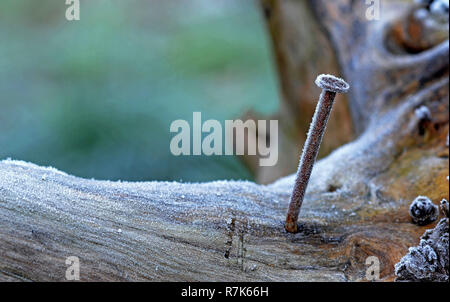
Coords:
pixel 356 204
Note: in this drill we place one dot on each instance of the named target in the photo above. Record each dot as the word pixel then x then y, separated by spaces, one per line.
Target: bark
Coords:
pixel 356 204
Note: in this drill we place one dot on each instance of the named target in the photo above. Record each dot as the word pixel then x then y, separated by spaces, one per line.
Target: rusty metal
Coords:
pixel 330 86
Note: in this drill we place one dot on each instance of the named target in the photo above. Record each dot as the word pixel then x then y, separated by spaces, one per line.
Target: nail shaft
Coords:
pixel 312 145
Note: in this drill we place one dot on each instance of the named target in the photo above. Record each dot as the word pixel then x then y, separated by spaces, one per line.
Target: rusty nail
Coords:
pixel 330 86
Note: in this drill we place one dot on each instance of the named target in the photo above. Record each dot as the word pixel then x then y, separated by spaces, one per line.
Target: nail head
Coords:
pixel 331 83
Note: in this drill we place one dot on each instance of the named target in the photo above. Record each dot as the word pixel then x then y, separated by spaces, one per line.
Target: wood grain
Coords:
pixel 356 204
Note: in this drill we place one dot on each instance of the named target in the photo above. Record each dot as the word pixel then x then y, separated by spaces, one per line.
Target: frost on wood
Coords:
pixel 436 7
pixel 356 205
pixel 423 113
pixel 444 207
pixel 429 261
pixel 423 211
pixel 440 7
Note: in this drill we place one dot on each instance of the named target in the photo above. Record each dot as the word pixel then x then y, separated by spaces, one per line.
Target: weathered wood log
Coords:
pixel 311 37
pixel 356 204
pixel 302 51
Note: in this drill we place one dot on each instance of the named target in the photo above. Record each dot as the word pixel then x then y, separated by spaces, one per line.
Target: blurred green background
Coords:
pixel 96 97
